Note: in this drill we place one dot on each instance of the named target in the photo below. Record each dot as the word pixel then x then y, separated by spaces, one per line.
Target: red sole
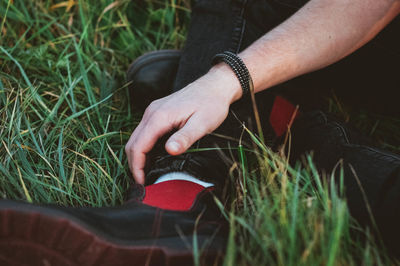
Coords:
pixel 31 238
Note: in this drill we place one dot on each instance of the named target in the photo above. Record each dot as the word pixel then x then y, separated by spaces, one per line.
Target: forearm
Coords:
pixel 319 34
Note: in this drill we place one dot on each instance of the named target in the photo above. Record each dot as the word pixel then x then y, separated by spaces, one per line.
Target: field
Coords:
pixel 65 118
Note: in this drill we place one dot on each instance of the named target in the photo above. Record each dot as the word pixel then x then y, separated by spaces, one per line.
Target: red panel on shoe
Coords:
pixel 177 195
pixel 281 115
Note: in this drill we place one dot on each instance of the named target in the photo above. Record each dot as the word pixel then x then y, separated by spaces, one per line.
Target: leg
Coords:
pixel 371 176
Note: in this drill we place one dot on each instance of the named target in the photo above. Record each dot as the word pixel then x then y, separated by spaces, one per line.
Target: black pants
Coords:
pixel 369 79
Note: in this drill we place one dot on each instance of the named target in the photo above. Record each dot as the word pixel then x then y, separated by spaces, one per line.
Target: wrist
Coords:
pixel 226 81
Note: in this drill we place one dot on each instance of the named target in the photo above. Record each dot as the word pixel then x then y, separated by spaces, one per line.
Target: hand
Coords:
pixel 195 111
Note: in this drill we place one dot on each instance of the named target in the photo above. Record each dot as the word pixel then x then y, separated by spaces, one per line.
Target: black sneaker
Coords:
pixel 132 234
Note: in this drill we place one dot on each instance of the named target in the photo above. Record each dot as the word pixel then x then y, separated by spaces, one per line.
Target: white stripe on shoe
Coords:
pixel 182 176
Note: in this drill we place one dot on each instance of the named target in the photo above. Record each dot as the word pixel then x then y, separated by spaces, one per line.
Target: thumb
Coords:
pixel 181 140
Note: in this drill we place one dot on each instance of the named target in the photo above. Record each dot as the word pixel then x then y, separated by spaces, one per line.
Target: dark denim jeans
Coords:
pixel 368 79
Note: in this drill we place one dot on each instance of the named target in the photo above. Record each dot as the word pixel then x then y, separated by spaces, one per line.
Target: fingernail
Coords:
pixel 173 146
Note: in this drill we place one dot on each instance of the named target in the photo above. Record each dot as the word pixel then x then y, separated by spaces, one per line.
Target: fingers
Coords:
pixel 142 141
pixel 194 129
pixel 137 173
pixel 164 115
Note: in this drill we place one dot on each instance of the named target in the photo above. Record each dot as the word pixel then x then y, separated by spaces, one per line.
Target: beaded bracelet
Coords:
pixel 238 67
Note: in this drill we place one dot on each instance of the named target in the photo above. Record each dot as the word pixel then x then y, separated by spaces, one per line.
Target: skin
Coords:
pixel 319 34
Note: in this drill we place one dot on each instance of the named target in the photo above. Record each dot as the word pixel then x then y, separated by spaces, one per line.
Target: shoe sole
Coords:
pixel 149 58
pixel 35 235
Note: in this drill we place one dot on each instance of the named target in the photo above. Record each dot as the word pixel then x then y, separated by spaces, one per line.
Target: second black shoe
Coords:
pixel 151 76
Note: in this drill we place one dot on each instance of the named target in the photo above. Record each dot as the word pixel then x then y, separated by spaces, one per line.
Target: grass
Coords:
pixel 65 120
pixel 64 113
